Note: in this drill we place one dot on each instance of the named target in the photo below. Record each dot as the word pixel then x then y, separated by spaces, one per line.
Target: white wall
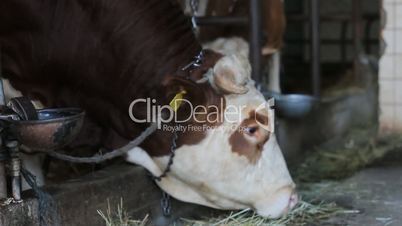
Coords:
pixel 390 74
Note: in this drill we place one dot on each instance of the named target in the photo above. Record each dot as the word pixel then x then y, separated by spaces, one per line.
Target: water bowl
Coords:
pixel 54 128
pixel 292 105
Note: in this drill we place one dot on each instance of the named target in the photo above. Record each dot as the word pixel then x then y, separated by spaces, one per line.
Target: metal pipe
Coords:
pixel 315 47
pixel 327 41
pixel 356 36
pixel 3 182
pixel 16 179
pixel 15 169
pixel 367 36
pixel 331 17
pixel 274 83
pixel 3 157
pixel 344 32
pixel 221 21
pixel 16 188
pixel 2 97
pixel 255 38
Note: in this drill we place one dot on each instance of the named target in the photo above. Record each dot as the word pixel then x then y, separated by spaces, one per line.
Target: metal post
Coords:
pixel 344 32
pixel 255 38
pixel 356 36
pixel 2 97
pixel 315 47
pixel 221 21
pixel 3 182
pixel 367 35
pixel 15 169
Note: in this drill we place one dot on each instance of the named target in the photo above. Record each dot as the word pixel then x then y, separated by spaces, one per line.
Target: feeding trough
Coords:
pixel 292 105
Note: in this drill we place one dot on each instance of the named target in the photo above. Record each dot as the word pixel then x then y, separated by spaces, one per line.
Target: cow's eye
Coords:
pixel 251 130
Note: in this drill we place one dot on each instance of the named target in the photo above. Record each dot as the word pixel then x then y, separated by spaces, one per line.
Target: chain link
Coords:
pixel 197 61
pixel 171 157
pixel 194 11
pixel 165 204
pixel 165 200
pixel 194 7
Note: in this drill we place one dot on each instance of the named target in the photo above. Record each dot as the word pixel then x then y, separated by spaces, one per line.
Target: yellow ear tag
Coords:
pixel 177 100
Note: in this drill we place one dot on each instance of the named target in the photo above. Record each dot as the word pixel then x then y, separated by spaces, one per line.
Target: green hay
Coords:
pixel 336 163
pixel 120 217
pixel 303 214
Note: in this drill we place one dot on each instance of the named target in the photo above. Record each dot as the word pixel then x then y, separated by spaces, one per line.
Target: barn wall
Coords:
pixel 390 73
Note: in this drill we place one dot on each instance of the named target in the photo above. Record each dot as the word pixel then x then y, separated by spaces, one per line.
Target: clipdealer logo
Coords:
pixel 233 114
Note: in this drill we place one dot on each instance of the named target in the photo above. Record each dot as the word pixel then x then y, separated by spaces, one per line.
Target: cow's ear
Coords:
pixel 230 75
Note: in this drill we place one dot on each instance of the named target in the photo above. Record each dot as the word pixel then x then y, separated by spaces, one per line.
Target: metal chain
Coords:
pixel 171 157
pixel 197 61
pixel 194 9
pixel 165 200
pixel 194 6
pixel 165 204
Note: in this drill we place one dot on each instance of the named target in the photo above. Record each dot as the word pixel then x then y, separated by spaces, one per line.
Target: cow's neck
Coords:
pixel 197 94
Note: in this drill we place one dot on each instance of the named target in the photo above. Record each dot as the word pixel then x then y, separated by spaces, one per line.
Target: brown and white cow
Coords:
pixel 101 55
pixel 274 23
pixel 273 13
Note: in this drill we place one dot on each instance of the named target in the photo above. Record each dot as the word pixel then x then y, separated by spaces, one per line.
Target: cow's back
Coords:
pixel 96 54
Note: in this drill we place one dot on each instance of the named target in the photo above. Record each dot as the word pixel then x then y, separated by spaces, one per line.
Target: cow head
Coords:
pixel 238 164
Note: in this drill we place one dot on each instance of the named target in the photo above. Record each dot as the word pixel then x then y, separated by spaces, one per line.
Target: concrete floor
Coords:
pixel 375 193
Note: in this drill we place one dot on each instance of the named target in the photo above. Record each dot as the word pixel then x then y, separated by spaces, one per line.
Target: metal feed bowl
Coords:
pixel 292 105
pixel 54 128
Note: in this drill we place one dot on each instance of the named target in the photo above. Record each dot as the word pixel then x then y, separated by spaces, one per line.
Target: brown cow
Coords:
pixel 116 58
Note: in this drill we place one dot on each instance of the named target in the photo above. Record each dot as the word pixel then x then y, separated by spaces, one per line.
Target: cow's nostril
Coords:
pixel 294 199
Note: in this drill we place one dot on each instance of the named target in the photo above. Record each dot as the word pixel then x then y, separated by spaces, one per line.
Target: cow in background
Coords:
pixel 274 21
pixel 274 24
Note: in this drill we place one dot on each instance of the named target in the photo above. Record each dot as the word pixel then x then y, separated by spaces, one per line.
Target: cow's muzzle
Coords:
pixel 279 204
